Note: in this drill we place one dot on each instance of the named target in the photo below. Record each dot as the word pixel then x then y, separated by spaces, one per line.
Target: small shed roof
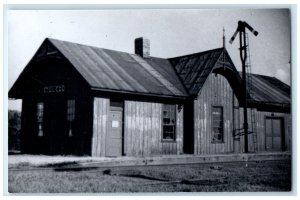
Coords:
pixel 266 89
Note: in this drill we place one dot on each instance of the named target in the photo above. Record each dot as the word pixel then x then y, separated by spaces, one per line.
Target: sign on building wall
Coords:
pixel 54 89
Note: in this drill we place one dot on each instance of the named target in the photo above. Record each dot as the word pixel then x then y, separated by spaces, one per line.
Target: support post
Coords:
pixel 243 55
pixel 241 29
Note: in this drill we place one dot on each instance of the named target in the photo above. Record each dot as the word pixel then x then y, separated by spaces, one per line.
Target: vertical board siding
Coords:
pixel 179 131
pixel 143 130
pixel 215 92
pixel 260 129
pixel 101 109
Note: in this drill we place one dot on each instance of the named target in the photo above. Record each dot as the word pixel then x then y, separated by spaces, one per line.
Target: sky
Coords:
pixel 172 32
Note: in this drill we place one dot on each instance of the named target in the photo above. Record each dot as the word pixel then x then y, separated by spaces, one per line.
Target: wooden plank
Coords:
pixel 204 131
pixel 102 123
pixel 180 146
pixel 146 131
pixel 105 119
pixel 132 128
pixel 148 119
pixel 178 134
pixel 203 126
pixel 101 143
pixel 125 133
pixel 151 131
pixel 104 116
pixel 141 126
pixel 126 127
pixel 142 133
pixel 159 127
pixel 136 131
pixel 99 129
pixel 211 98
pixel 95 126
pixel 197 130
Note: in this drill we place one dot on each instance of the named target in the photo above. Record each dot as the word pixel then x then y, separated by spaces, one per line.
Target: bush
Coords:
pixel 14 128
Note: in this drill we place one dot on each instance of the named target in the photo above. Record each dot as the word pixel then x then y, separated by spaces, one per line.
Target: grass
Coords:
pixel 221 177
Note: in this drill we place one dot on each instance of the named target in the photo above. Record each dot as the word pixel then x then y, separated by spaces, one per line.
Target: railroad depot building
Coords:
pixel 83 100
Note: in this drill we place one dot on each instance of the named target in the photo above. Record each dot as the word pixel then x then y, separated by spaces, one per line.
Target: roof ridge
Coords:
pixel 92 46
pixel 197 53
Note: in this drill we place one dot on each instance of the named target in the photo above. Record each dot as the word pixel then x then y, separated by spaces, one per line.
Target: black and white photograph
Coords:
pixel 150 100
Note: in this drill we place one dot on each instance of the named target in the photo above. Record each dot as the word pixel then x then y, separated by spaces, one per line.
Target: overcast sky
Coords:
pixel 171 33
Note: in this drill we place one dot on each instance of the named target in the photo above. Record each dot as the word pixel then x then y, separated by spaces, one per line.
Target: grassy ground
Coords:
pixel 220 177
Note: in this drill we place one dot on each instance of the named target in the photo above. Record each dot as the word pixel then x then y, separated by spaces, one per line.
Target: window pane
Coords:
pixel 217 124
pixel 70 114
pixel 168 121
pixel 71 110
pixel 40 115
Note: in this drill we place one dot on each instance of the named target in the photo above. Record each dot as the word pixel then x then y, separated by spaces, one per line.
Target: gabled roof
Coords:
pixel 266 89
pixel 114 70
pixel 195 68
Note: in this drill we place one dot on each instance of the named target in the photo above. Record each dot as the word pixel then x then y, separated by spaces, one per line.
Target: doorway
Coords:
pixel 274 134
pixel 114 137
pixel 55 126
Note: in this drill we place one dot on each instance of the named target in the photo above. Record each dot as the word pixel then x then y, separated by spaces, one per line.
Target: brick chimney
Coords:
pixel 142 47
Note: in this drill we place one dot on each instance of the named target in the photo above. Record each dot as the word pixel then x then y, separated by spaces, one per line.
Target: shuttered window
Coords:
pixel 169 122
pixel 40 118
pixel 217 124
pixel 70 114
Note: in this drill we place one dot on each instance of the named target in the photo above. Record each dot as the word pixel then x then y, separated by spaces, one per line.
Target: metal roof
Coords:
pixel 119 71
pixel 266 89
pixel 195 68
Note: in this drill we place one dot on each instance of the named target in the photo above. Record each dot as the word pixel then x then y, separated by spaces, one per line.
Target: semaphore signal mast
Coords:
pixel 241 29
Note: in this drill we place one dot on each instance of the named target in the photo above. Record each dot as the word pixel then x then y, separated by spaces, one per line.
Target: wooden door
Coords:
pixel 188 137
pixel 274 134
pixel 56 129
pixel 114 134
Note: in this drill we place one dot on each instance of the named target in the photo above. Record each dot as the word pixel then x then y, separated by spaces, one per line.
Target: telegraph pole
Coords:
pixel 241 29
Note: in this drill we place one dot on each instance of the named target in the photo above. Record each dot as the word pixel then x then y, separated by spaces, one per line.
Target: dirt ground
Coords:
pixel 260 176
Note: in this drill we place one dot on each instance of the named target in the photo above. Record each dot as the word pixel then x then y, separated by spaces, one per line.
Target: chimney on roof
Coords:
pixel 142 47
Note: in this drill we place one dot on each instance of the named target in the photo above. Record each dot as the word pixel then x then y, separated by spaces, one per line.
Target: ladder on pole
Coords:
pixel 249 91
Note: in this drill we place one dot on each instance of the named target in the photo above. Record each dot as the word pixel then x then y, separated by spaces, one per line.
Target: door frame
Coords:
pixel 118 107
pixel 188 127
pixel 282 135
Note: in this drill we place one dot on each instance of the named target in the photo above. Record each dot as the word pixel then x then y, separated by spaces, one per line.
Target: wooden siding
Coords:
pixel 101 110
pixel 258 126
pixel 215 92
pixel 143 130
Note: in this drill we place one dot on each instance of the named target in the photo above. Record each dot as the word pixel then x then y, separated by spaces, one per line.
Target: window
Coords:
pixel 169 121
pixel 40 115
pixel 70 114
pixel 217 124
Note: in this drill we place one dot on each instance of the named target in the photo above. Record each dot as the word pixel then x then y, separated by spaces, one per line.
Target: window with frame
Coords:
pixel 70 114
pixel 169 122
pixel 40 116
pixel 217 124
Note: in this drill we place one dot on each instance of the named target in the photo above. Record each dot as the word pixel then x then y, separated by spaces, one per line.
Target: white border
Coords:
pixel 79 4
